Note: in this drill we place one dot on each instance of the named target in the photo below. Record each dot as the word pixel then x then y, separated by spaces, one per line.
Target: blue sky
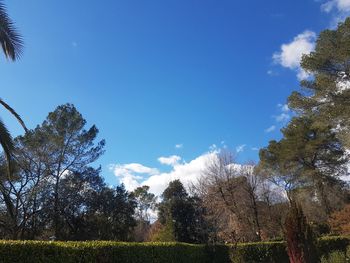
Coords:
pixel 155 74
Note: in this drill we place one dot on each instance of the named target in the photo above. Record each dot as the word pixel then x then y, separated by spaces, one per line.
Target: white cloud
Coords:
pixel 134 167
pixel 283 117
pixel 131 173
pixel 291 53
pixel 339 5
pixel 187 173
pixel 272 72
pixel 255 149
pixel 179 146
pixel 213 147
pixel 339 10
pixel 171 160
pixel 283 107
pixel 270 129
pixel 223 144
pixel 240 148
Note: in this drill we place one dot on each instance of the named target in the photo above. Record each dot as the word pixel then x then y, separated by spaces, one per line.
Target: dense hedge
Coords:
pixel 275 252
pixel 269 252
pixel 327 245
pixel 105 251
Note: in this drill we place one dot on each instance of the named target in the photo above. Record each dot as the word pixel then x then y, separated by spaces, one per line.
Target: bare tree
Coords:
pixel 230 195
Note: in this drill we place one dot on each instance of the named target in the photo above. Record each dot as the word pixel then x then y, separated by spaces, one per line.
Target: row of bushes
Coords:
pixel 105 251
pixel 275 252
pixel 337 257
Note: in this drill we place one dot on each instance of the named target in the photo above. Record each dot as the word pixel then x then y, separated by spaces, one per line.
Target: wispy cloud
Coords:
pixel 339 9
pixel 213 147
pixel 179 146
pixel 281 118
pixel 284 116
pixel 283 107
pixel 272 72
pixel 270 129
pixel 171 160
pixel 240 148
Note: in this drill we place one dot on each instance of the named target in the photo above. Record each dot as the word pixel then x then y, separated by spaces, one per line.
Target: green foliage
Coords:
pixel 182 213
pixel 334 257
pixel 264 252
pixel 158 252
pixel 326 245
pixel 296 161
pixel 166 233
pixel 145 201
pixel 325 93
pixel 105 251
pixel 275 252
pixel 53 188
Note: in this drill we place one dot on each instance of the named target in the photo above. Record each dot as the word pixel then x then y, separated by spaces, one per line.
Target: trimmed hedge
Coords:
pixel 107 251
pixel 264 252
pixel 275 252
pixel 327 245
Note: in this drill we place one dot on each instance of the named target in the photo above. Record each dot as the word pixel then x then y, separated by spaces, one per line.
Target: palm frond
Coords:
pixel 10 40
pixel 14 113
pixel 6 142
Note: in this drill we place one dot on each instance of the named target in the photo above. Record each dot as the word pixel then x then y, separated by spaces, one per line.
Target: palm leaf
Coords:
pixel 6 143
pixel 14 113
pixel 10 40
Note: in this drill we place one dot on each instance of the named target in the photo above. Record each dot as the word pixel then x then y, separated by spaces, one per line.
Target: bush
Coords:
pixel 327 245
pixel 275 252
pixel 103 252
pixel 262 252
pixel 334 257
pixel 119 252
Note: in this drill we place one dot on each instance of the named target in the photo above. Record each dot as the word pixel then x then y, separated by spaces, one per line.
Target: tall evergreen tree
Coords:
pixel 308 155
pixel 327 94
pixel 179 213
pixel 61 146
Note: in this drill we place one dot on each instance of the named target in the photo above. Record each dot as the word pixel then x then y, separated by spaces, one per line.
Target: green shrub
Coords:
pixel 327 245
pixel 119 252
pixel 334 257
pixel 105 251
pixel 275 252
pixel 259 252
